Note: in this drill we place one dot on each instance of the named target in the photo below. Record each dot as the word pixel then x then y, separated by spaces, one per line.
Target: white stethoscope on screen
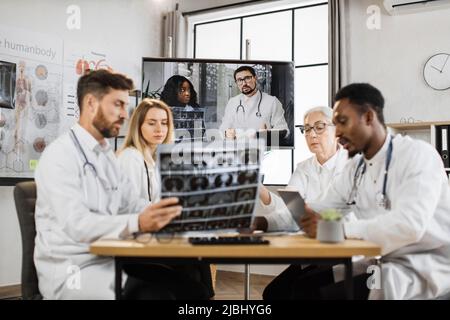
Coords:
pixel 258 113
pixel 89 166
pixel 382 198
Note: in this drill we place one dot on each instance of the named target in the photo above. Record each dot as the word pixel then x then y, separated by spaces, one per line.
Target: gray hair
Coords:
pixel 326 111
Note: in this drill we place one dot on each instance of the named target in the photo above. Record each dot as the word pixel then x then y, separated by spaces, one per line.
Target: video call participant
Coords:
pixel 252 110
pixel 189 118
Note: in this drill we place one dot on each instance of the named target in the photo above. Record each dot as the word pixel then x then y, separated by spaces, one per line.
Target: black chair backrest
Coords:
pixel 25 199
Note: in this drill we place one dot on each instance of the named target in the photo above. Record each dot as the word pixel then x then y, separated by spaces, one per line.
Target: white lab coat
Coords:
pixel 311 179
pixel 415 234
pixel 247 123
pixel 73 209
pixel 132 165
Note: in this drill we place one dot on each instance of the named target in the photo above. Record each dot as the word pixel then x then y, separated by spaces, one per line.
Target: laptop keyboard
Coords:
pixel 228 240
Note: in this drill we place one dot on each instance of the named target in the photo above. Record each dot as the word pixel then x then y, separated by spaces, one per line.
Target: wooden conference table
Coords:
pixel 288 249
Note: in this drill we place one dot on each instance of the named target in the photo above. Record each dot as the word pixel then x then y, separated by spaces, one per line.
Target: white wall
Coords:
pixel 393 57
pixel 126 30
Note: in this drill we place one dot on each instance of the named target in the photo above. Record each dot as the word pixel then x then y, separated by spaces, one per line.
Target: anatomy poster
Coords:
pixel 33 120
pixel 38 76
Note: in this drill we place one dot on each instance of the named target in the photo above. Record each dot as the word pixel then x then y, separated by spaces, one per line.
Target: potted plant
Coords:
pixel 147 93
pixel 330 227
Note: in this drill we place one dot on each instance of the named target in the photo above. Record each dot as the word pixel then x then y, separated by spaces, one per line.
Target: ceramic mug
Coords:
pixel 330 231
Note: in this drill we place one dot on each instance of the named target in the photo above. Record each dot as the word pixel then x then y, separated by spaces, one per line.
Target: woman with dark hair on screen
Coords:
pixel 188 117
pixel 179 92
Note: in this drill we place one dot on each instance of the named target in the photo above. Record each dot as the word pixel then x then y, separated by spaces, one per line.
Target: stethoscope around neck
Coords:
pixel 258 113
pixel 148 182
pixel 91 166
pixel 383 200
pixel 87 164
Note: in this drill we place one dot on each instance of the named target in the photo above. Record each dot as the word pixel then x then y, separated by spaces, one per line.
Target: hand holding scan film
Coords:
pixel 230 133
pixel 156 216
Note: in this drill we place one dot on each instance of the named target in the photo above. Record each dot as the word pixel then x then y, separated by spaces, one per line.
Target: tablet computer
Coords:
pixel 294 202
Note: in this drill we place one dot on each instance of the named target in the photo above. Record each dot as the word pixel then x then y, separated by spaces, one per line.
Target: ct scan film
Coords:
pixel 216 183
pixel 189 124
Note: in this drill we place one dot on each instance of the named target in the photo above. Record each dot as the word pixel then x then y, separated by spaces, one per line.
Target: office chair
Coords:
pixel 25 200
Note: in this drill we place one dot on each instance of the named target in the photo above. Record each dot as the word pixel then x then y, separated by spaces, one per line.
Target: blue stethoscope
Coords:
pixel 383 200
pixel 258 113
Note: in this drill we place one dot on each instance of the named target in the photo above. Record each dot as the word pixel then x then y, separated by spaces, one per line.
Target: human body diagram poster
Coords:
pixel 42 107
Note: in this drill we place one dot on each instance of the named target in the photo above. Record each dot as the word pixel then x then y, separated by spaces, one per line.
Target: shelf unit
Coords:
pixel 420 130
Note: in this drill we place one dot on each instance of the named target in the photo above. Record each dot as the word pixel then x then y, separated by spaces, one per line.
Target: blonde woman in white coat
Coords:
pixel 151 125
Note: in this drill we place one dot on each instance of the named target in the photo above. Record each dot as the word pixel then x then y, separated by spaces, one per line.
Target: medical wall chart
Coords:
pixel 44 106
pixel 34 120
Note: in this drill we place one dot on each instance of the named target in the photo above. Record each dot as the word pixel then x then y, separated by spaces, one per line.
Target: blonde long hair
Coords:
pixel 134 137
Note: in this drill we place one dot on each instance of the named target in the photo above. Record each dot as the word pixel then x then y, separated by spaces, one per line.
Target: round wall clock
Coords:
pixel 436 71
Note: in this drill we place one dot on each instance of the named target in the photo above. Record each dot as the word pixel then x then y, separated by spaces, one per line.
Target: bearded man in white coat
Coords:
pixel 83 196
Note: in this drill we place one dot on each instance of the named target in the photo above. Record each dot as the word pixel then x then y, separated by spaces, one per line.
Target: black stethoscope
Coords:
pixel 383 200
pixel 80 149
pixel 258 113
pixel 88 164
pixel 148 182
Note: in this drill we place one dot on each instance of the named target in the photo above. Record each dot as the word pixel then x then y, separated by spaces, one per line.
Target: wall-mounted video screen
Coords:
pixel 231 99
pixel 7 84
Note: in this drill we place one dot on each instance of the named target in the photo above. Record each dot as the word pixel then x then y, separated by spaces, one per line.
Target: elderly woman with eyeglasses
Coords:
pixel 311 177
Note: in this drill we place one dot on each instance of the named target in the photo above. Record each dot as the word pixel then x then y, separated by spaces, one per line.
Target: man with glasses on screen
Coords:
pixel 252 110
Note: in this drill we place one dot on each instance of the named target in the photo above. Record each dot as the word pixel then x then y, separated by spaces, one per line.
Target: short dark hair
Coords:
pixel 169 95
pixel 365 96
pixel 100 82
pixel 244 68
